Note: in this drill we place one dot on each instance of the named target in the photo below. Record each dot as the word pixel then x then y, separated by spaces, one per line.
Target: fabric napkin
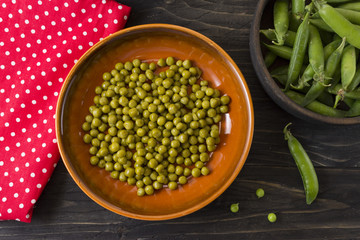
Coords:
pixel 40 41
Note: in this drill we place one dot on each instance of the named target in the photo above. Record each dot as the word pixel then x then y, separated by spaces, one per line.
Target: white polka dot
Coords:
pixel 27 190
pixel 58 55
pixel 2 66
pixel 40 2
pixel 23 59
pixel 43 73
pixel 16 195
pixel 54 69
pixel 28 116
pixel 75 61
pixel 17 25
pixel 34 125
pixel 12 109
pixel 54 46
pixel 38 185
pixel 27 215
pixel 37 159
pixel 6 29
pixel 28 139
pixel 7 100
pixel 48 60
pixel 64 42
pixel 4 199
pixel 3 5
pixel 125 17
pixel 17 49
pixel 54 140
pixel 13 86
pixel 28 45
pixel 91 43
pixel 45 121
pixel 48 37
pixel 6 124
pixel 74 37
pixel 23 155
pixel 36 17
pixel 7 148
pixel 73 14
pixel 6 174
pixel 17 95
pixel 66 4
pixel 23 130
pixel 17 119
pixel 0 191
pixel 18 144
pixel 83 10
pixel 12 134
pixel 56 8
pixel 116 21
pixel 2 114
pixel 9 210
pixel 12 159
pixel 33 150
pixel 40 111
pixel 29 7
pixel 21 205
pixel 80 25
pixel 1 163
pixel 65 65
pixel 90 20
pixel 39 63
pixel 33 201
pixel 23 81
pixel 42 27
pixel 44 170
pixel 100 15
pixel 56 94
pixel 38 87
pixel 43 145
pixel 32 174
pixel 21 179
pixel 11 184
pixel 93 5
pixel 39 136
pixel 95 29
pixel 7 53
pixel 46 13
pixel 32 31
pixel 45 98
pixel 106 25
pixel 12 63
pixel 69 51
pixel 27 91
pixel 61 79
pixel 33 101
pixel 12 39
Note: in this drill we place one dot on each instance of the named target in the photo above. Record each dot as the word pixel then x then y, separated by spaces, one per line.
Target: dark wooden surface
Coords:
pixel 65 212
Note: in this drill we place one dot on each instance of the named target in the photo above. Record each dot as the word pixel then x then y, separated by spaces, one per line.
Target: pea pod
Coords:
pixel 355 6
pixel 337 22
pixel 356 80
pixel 352 16
pixel 315 106
pixel 280 51
pixel 337 89
pixel 281 20
pixel 354 110
pixel 316 53
pixel 304 165
pixel 269 59
pixel 307 76
pixel 330 68
pixel 331 47
pixel 297 10
pixel 289 38
pixel 319 23
pixel 298 52
pixel 348 66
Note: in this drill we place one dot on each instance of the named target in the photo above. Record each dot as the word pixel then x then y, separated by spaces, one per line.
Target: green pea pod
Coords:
pixel 281 20
pixel 288 40
pixel 305 78
pixel 269 59
pixel 338 90
pixel 330 68
pixel 280 51
pixel 319 23
pixel 355 6
pixel 331 47
pixel 356 80
pixel 304 165
pixel 348 66
pixel 352 16
pixel 315 106
pixel 297 11
pixel 354 110
pixel 298 52
pixel 340 25
pixel 316 53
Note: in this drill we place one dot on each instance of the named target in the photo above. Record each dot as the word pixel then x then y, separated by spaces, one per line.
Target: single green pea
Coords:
pixel 260 192
pixel 195 172
pixel 172 185
pixel 272 217
pixel 234 207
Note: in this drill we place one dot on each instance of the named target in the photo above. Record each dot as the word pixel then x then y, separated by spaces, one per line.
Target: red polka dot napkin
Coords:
pixel 40 41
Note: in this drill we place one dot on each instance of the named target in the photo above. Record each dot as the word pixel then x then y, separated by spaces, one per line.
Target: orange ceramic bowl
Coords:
pixel 151 42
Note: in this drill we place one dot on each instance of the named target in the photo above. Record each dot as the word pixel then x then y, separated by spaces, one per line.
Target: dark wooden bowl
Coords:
pixel 262 20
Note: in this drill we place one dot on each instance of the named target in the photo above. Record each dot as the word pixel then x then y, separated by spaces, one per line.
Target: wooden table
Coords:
pixel 65 212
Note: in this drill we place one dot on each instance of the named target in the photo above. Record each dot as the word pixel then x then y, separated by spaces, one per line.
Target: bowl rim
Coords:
pixel 112 207
pixel 271 87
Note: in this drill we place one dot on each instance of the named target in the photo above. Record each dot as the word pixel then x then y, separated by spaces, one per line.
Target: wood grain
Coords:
pixel 65 212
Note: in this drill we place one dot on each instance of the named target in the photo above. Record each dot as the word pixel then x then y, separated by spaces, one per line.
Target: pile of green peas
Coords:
pixel 154 130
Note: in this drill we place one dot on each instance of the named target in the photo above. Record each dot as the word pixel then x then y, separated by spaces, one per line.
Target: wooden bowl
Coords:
pixel 152 42
pixel 263 19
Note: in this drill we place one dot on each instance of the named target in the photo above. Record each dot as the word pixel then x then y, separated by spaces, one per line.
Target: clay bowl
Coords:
pixel 152 42
pixel 263 19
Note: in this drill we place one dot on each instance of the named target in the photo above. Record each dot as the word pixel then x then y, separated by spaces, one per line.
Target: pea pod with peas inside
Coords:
pixel 281 20
pixel 304 164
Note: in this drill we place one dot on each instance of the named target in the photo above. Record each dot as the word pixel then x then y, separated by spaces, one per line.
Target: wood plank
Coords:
pixel 64 212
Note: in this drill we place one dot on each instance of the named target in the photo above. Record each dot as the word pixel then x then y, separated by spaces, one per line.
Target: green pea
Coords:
pixel 172 185
pixel 272 217
pixel 195 172
pixel 260 192
pixel 234 207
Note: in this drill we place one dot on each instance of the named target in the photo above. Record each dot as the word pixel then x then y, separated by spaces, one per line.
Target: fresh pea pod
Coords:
pixel 289 37
pixel 355 6
pixel 307 76
pixel 281 20
pixel 352 16
pixel 304 165
pixel 338 90
pixel 297 12
pixel 315 106
pixel 269 59
pixel 316 53
pixel 280 51
pixel 319 23
pixel 348 66
pixel 340 25
pixel 298 52
pixel 356 80
pixel 331 47
pixel 354 110
pixel 332 64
